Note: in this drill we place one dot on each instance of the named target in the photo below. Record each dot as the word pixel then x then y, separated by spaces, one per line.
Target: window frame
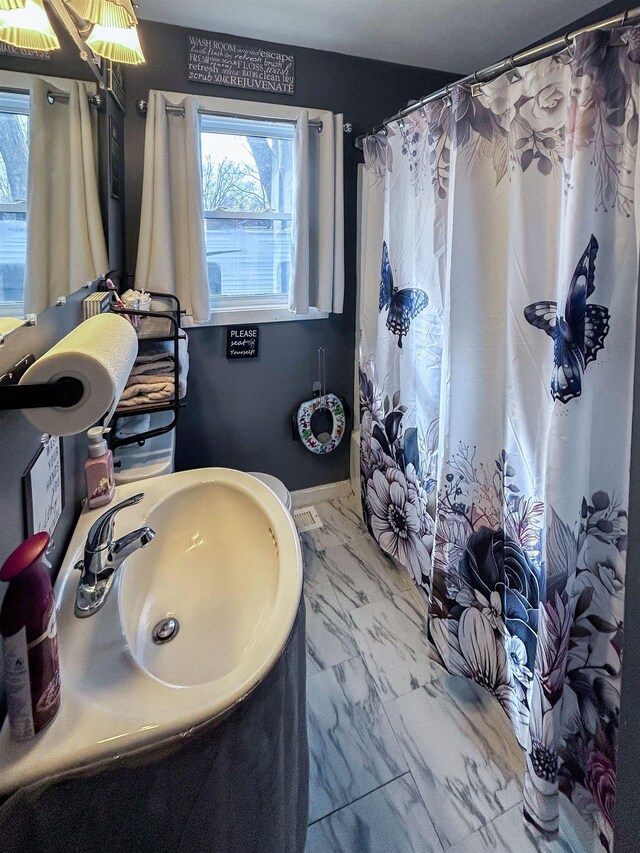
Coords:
pixel 272 307
pixel 12 308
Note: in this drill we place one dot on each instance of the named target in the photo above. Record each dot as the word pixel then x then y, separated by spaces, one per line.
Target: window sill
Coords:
pixel 237 316
pixel 14 310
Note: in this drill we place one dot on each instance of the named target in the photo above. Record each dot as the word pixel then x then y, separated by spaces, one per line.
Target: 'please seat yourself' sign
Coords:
pixel 242 341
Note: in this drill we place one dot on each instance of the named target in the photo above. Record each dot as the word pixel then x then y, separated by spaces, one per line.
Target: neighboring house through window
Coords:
pixel 247 177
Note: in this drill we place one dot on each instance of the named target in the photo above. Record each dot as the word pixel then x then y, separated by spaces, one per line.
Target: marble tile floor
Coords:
pixel 404 758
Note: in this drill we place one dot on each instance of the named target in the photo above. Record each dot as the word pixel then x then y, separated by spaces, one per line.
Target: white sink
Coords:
pixel 214 567
pixel 225 564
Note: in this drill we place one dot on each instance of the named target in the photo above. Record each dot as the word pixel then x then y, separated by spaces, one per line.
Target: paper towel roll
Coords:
pixel 100 353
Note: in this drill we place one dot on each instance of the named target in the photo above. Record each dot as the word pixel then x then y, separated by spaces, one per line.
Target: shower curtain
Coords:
pixel 496 394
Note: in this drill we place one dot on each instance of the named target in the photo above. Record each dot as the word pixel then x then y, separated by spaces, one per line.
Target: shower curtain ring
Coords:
pixel 570 45
pixel 512 71
pixel 476 86
pixel 624 18
pixel 446 98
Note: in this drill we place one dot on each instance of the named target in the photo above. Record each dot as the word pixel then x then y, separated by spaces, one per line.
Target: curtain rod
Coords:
pixel 96 100
pixel 509 64
pixel 142 106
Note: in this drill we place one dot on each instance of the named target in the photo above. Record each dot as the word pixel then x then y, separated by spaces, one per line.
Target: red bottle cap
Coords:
pixel 24 556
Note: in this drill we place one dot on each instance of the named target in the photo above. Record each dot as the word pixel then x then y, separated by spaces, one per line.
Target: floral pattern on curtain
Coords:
pixel 496 396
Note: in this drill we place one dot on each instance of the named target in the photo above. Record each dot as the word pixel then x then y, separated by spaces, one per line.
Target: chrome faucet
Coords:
pixel 103 557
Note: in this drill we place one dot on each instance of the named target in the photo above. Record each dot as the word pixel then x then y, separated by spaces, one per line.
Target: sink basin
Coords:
pixel 193 623
pixel 215 572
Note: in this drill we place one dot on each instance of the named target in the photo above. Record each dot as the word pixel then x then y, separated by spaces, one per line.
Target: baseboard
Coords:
pixel 316 494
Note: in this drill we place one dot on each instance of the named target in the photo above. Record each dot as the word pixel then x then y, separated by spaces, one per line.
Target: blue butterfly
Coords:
pixel 579 335
pixel 403 304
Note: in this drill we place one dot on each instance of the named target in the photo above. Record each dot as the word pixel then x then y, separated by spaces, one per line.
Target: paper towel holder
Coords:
pixel 63 393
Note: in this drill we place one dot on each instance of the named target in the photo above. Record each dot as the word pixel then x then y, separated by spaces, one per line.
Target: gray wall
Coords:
pixel 627 832
pixel 238 413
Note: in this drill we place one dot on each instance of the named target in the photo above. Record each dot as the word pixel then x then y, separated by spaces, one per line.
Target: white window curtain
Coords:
pixel 65 238
pixel 171 249
pixel 171 252
pixel 317 279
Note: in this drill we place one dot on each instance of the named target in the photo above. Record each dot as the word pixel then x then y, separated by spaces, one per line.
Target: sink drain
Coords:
pixel 165 630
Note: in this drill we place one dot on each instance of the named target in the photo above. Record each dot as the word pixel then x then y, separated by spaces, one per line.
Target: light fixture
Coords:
pixel 28 27
pixel 116 43
pixel 107 13
pixel 106 27
pixel 114 35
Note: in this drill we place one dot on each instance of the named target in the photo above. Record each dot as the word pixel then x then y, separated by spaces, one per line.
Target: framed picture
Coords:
pixel 43 488
pixel 115 155
pixel 115 83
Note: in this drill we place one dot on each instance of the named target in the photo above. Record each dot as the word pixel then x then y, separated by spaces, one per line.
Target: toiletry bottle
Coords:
pixel 30 643
pixel 98 469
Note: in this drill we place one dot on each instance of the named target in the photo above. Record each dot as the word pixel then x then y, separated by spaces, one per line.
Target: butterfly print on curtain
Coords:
pixel 404 305
pixel 579 335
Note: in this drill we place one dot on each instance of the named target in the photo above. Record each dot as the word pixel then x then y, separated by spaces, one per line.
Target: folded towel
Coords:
pixel 133 425
pixel 163 365
pixel 184 372
pixel 150 391
pixel 150 379
pixel 158 351
pixel 141 401
pixel 155 327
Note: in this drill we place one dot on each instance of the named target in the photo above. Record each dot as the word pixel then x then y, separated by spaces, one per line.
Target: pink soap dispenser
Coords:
pixel 98 469
pixel 30 642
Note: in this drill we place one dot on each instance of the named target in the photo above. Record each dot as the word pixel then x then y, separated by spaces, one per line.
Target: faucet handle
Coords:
pixel 101 532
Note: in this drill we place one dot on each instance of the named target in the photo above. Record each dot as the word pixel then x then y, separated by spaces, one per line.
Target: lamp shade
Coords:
pixel 28 27
pixel 106 13
pixel 6 5
pixel 116 44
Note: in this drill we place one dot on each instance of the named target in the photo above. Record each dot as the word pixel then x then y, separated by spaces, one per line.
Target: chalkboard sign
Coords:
pixel 225 63
pixel 242 341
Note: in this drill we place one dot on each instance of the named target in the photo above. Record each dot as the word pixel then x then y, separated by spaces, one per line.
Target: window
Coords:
pixel 14 155
pixel 247 169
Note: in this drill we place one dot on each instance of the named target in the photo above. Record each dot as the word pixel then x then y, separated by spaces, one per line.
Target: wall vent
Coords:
pixel 307 518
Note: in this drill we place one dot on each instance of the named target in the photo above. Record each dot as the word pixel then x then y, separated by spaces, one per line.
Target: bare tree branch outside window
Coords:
pixel 14 153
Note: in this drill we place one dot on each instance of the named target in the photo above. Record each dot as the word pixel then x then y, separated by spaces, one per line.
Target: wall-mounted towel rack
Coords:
pixel 174 404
